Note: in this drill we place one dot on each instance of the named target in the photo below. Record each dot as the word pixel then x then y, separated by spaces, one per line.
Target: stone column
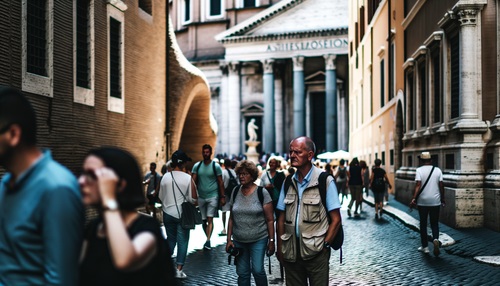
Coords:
pixel 278 109
pixel 470 68
pixel 233 109
pixel 299 102
pixel 222 120
pixel 269 123
pixel 332 121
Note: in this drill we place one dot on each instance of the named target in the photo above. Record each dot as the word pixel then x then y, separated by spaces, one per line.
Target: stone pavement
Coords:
pixel 482 244
pixel 375 252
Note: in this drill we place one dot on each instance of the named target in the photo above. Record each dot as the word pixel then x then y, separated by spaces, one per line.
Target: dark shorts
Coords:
pixel 151 200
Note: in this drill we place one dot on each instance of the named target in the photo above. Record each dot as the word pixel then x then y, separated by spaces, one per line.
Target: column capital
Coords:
pixel 330 62
pixel 298 63
pixel 233 67
pixel 268 65
pixel 467 11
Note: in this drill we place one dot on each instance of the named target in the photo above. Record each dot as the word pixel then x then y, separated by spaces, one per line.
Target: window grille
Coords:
pixel 114 58
pixel 36 19
pixel 411 101
pixel 83 44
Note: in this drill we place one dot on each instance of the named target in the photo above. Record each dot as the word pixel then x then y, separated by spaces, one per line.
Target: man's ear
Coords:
pixel 14 135
pixel 121 185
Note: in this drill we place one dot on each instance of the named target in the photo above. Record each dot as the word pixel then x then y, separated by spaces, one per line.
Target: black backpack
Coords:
pixel 233 183
pixel 338 240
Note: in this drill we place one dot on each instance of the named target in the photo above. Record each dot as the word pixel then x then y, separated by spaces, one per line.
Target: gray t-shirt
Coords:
pixel 249 221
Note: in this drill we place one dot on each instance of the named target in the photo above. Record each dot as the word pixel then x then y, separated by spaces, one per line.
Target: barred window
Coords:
pixel 146 6
pixel 455 76
pixel 36 36
pixel 411 101
pixel 115 57
pixel 83 44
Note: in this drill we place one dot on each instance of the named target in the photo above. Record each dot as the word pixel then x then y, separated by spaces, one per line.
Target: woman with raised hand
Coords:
pixel 122 246
pixel 177 187
pixel 250 226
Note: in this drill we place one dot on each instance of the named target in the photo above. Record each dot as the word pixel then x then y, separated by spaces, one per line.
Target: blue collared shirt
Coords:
pixel 41 226
pixel 332 196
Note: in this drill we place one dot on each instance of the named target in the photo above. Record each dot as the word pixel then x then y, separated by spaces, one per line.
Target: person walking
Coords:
pixel 122 246
pixel 230 180
pixel 152 180
pixel 303 219
pixel 272 179
pixel 341 179
pixel 365 175
pixel 378 183
pixel 177 187
pixel 42 216
pixel 251 226
pixel 355 186
pixel 429 197
pixel 207 175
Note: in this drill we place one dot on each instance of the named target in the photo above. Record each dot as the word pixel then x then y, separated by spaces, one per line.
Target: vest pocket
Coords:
pixel 311 212
pixel 288 247
pixel 289 210
pixel 312 244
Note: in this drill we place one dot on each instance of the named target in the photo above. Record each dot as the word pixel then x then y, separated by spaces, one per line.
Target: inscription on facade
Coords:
pixel 307 45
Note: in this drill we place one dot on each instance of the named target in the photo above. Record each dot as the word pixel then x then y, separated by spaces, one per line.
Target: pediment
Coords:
pixel 290 18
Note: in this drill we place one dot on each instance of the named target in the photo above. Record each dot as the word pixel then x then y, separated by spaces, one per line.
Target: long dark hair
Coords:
pixel 126 168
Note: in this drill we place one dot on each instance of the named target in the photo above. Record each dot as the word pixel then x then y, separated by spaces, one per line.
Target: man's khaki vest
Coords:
pixel 313 221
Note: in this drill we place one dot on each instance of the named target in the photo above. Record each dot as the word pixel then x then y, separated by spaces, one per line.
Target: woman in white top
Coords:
pixel 175 188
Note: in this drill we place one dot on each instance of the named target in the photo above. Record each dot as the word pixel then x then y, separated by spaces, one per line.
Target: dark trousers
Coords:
pixel 433 214
pixel 315 270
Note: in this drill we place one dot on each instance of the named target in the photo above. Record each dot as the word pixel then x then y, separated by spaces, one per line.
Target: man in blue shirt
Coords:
pixel 306 229
pixel 41 217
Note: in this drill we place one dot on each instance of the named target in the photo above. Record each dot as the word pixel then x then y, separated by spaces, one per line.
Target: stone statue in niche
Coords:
pixel 251 127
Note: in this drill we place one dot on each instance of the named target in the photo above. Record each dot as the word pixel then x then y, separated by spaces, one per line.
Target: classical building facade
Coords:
pixel 282 63
pixel 109 84
pixel 450 103
pixel 376 87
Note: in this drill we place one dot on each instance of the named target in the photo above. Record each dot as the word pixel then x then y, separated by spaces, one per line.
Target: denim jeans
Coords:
pixel 433 214
pixel 251 260
pixel 176 235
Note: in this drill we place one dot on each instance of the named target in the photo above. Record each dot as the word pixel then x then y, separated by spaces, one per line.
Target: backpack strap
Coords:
pixel 288 182
pixel 213 168
pixel 322 191
pixel 260 193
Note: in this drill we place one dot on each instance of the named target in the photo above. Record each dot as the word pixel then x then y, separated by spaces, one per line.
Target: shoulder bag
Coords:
pixel 191 215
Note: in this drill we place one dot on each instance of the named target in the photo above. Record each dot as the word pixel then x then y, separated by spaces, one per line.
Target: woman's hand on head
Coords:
pixel 107 181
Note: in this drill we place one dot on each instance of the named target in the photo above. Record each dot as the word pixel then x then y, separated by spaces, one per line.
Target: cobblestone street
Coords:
pixel 375 252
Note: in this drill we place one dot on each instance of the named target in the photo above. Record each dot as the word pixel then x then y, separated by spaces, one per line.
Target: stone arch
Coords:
pixel 194 124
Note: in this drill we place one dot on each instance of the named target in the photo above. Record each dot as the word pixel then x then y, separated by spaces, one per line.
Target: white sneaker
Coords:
pixel 423 249
pixel 180 274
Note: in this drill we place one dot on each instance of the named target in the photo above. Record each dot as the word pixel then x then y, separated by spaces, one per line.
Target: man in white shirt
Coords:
pixel 429 196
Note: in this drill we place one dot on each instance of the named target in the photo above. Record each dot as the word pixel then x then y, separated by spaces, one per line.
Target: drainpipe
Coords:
pixel 167 83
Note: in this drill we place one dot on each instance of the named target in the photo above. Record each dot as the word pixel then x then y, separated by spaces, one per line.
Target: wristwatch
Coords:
pixel 110 205
pixel 326 245
pixel 271 239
